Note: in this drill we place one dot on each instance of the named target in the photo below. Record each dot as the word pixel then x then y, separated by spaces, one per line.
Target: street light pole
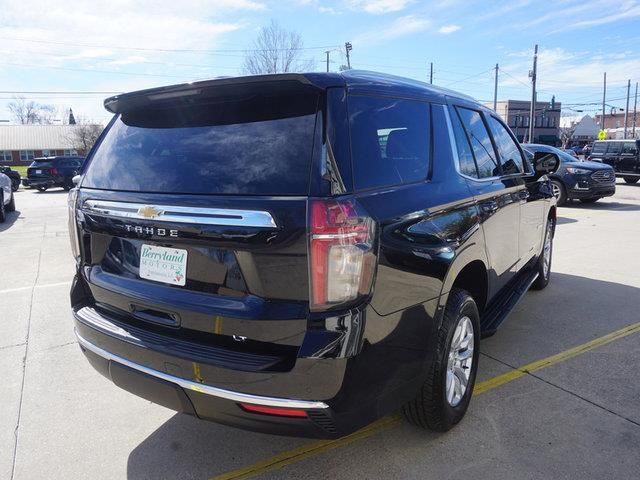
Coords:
pixel 626 110
pixel 604 97
pixel 635 105
pixel 533 75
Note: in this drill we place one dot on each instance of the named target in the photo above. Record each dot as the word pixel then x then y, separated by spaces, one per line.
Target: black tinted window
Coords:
pixel 629 147
pixel 262 145
pixel 510 156
pixel 614 147
pixel 599 147
pixel 465 154
pixel 480 143
pixel 389 140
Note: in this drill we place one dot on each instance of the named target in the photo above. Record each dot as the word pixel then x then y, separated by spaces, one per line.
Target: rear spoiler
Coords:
pixel 221 87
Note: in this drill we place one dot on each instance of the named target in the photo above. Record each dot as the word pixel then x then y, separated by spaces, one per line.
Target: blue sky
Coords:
pixel 124 45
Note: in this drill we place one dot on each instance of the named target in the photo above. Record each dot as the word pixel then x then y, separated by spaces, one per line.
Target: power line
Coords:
pixel 171 50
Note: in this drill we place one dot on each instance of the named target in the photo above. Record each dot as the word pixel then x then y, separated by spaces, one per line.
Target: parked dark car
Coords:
pixel 13 175
pixel 251 251
pixel 622 155
pixel 576 179
pixel 47 172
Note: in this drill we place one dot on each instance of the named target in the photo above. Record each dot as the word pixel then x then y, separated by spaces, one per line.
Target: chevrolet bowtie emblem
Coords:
pixel 149 212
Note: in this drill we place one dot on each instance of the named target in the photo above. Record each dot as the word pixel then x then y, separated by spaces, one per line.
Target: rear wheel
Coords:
pixel 559 192
pixel 631 179
pixel 590 200
pixel 544 261
pixel 42 189
pixel 15 185
pixel 11 206
pixel 444 397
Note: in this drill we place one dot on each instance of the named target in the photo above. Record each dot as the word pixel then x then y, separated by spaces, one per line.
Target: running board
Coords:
pixel 502 306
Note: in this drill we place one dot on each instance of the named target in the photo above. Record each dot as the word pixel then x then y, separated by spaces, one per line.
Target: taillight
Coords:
pixel 53 171
pixel 342 259
pixel 72 200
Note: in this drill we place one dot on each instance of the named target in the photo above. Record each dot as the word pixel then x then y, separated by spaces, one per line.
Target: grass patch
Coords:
pixel 21 169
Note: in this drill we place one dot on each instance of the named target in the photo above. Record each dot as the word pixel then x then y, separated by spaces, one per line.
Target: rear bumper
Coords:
pixel 215 394
pixel 39 182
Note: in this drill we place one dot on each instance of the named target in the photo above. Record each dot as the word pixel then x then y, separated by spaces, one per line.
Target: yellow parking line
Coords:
pixel 315 448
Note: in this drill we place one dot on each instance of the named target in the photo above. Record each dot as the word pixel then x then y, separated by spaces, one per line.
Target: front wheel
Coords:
pixel 15 186
pixel 631 179
pixel 544 261
pixel 444 397
pixel 42 189
pixel 11 206
pixel 559 192
pixel 3 214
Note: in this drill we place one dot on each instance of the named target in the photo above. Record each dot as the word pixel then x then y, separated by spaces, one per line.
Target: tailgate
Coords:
pixel 245 266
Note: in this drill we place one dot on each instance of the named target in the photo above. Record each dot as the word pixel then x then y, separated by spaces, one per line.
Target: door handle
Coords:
pixel 524 194
pixel 490 206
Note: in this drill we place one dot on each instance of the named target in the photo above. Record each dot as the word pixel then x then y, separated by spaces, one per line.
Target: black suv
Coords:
pixel 577 179
pixel 622 155
pixel 303 253
pixel 13 175
pixel 47 172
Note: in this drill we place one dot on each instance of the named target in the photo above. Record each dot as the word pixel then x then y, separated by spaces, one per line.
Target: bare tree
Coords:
pixel 566 133
pixel 30 112
pixel 83 135
pixel 276 50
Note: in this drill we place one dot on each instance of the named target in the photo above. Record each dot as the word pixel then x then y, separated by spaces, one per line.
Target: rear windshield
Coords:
pixel 257 146
pixel 41 162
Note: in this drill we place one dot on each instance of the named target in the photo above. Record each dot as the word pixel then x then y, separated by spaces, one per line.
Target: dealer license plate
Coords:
pixel 167 265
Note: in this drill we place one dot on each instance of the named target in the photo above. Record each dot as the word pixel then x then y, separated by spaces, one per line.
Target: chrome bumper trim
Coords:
pixel 181 214
pixel 201 388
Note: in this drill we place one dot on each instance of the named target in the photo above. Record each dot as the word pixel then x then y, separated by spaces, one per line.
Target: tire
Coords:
pixel 631 179
pixel 544 261
pixel 3 214
pixel 590 200
pixel 11 206
pixel 559 192
pixel 15 186
pixel 66 188
pixel 42 189
pixel 432 408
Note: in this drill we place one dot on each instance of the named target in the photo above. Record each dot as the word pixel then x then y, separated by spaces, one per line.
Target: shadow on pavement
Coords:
pixel 630 207
pixel 572 310
pixel 12 217
pixel 565 220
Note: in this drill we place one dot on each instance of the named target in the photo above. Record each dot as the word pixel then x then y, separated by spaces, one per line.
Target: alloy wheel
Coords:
pixel 460 361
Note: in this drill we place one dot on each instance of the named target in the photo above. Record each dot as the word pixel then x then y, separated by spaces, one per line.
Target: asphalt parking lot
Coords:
pixel 576 414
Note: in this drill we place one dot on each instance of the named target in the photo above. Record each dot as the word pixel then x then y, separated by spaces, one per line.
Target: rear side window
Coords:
pixel 480 142
pixel 257 146
pixel 465 152
pixel 389 140
pixel 614 147
pixel 510 156
pixel 629 147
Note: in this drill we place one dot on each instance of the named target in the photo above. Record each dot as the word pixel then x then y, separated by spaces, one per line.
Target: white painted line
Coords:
pixel 46 285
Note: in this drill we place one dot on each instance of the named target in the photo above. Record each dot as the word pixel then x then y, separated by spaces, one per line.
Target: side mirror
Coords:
pixel 76 179
pixel 545 163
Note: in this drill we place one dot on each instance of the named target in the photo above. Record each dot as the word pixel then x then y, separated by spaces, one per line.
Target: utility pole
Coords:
pixel 327 52
pixel 635 105
pixel 626 110
pixel 431 74
pixel 533 73
pixel 495 92
pixel 348 47
pixel 604 97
